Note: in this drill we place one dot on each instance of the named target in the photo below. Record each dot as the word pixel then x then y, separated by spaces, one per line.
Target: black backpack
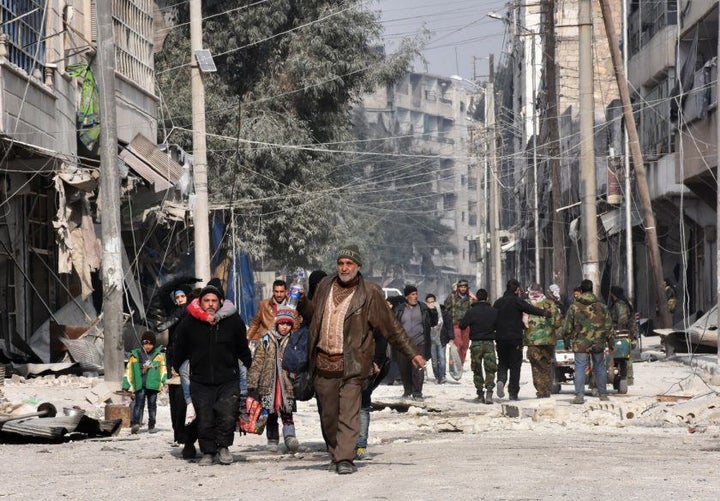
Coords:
pixel 295 356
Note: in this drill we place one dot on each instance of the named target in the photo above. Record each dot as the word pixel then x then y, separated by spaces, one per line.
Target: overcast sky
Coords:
pixel 459 30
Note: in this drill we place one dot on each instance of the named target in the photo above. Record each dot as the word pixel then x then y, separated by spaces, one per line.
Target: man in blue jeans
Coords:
pixel 588 329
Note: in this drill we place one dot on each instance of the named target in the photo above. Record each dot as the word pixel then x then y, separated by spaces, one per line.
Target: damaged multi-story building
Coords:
pixel 50 212
pixel 672 70
pixel 431 112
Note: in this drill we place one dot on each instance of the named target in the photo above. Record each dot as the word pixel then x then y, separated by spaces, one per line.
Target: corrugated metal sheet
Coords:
pixel 156 167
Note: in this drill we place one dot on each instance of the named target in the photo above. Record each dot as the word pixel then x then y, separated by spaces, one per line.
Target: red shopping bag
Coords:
pixel 253 418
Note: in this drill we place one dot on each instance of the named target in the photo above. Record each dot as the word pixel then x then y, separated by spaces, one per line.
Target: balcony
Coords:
pixel 648 20
pixel 438 106
pixel 39 100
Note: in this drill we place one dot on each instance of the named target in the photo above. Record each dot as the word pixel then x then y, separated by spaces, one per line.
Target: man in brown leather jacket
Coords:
pixel 264 319
pixel 344 313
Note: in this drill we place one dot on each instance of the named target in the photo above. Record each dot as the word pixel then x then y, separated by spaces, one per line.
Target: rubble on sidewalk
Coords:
pixel 71 421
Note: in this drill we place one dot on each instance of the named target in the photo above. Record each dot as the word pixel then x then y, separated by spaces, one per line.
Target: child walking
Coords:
pixel 270 384
pixel 145 376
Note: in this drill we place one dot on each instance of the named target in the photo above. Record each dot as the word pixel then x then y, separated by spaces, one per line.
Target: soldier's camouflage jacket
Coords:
pixel 540 330
pixel 588 325
pixel 458 305
pixel 623 318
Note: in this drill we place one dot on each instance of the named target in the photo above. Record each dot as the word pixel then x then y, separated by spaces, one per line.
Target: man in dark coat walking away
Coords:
pixel 481 319
pixel 213 350
pixel 345 312
pixel 509 338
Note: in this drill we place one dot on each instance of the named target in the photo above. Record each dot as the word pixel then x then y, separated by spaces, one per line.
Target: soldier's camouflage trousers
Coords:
pixel 541 362
pixel 482 355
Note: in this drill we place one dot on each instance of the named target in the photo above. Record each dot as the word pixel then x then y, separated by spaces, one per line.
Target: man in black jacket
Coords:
pixel 213 350
pixel 417 319
pixel 481 318
pixel 509 336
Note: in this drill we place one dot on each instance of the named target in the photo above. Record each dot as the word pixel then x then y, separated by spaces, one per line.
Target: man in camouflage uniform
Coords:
pixel 623 319
pixel 458 303
pixel 588 328
pixel 540 337
pixel 480 319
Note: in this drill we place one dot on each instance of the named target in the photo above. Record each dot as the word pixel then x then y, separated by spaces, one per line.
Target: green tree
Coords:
pixel 279 113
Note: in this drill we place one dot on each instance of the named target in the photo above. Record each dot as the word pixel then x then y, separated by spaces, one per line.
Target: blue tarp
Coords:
pixel 245 299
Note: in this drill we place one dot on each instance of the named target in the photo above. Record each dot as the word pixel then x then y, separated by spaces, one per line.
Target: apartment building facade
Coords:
pixel 49 130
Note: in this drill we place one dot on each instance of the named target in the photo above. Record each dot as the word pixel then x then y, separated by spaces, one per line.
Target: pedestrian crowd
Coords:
pixel 344 336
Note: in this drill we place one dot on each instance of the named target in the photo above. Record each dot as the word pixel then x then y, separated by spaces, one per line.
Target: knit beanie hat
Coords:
pixel 351 252
pixel 285 315
pixel 409 289
pixel 148 336
pixel 462 282
pixel 214 286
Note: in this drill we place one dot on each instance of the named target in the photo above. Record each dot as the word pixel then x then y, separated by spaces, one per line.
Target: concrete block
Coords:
pixel 510 410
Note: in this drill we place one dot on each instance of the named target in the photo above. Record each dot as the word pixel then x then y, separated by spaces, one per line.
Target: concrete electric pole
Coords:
pixel 200 213
pixel 495 271
pixel 559 271
pixel 111 264
pixel 588 181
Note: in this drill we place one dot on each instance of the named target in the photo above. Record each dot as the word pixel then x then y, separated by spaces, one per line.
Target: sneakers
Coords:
pixel 207 460
pixel 488 397
pixel 224 456
pixel 441 380
pixel 604 397
pixel 332 467
pixel 272 444
pixel 417 397
pixel 134 429
pixel 292 444
pixel 361 454
pixel 189 451
pixel 501 389
pixel 152 430
pixel 346 468
pixel 579 399
pixel 514 396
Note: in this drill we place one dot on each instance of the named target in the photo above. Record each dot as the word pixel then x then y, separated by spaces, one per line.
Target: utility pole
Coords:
pixel 200 214
pixel 559 272
pixel 495 271
pixel 536 202
pixel 717 224
pixel 481 236
pixel 640 173
pixel 630 270
pixel 588 180
pixel 111 264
